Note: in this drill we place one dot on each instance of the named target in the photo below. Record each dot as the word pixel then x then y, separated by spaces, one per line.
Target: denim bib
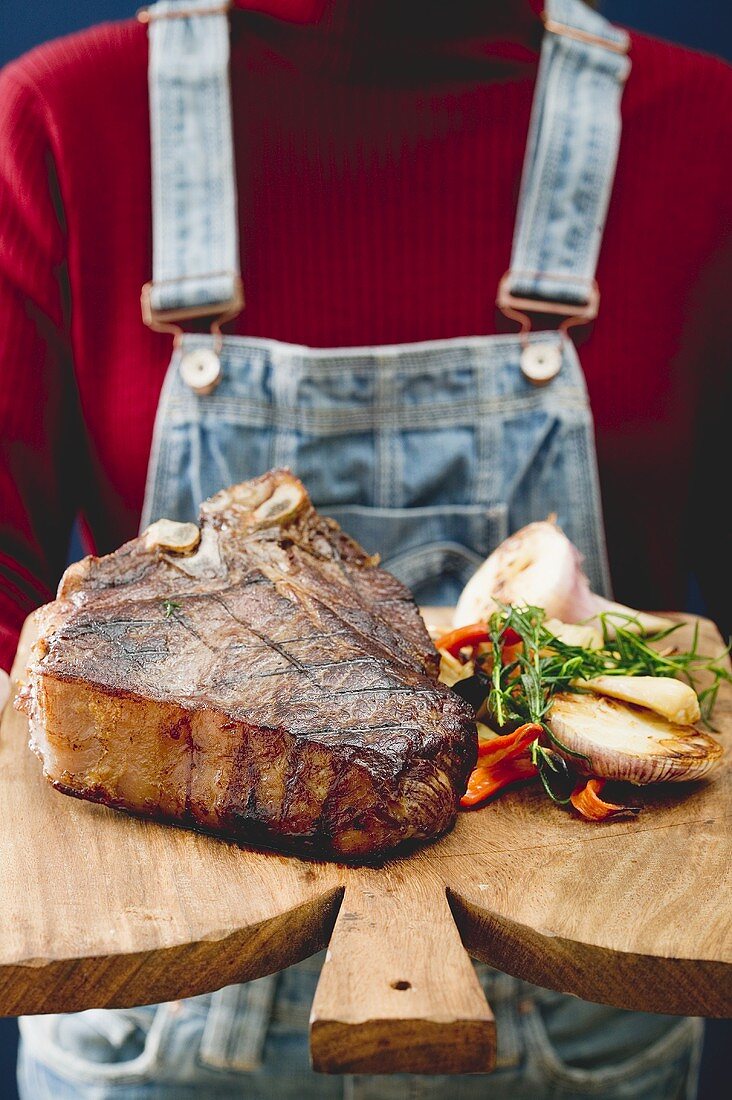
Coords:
pixel 429 454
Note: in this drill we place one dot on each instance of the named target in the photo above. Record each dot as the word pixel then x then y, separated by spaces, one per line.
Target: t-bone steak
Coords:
pixel 256 676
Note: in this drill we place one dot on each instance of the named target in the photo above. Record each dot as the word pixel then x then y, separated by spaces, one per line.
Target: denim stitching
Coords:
pixel 570 159
pixel 194 190
pixel 309 421
pixel 404 358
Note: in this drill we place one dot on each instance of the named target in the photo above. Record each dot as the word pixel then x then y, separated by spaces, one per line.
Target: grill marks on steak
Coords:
pixel 270 684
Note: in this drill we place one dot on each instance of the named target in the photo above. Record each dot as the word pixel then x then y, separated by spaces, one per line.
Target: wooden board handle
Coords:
pixel 398 992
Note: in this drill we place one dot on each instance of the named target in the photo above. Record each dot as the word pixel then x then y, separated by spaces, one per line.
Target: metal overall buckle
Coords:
pixel 151 14
pixel 567 31
pixel 540 362
pixel 200 367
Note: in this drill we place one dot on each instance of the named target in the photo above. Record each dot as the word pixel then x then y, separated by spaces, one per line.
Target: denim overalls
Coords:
pixel 428 453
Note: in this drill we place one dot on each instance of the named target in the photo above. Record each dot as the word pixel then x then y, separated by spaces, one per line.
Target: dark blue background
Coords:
pixel 704 24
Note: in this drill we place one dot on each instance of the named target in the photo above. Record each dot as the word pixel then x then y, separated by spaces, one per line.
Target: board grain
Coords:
pixel 101 909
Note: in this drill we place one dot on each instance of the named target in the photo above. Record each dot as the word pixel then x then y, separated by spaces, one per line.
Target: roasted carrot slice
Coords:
pixel 489 780
pixel 510 744
pixel 501 761
pixel 586 800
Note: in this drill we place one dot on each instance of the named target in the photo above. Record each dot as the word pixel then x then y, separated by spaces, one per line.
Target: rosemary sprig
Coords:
pixel 643 660
pixel 498 692
pixel 169 608
pixel 556 777
pixel 542 665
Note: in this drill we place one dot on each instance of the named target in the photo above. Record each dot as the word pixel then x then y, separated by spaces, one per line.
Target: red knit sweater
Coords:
pixel 379 151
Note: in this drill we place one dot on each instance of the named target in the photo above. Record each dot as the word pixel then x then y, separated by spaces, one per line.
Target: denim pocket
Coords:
pixel 665 1069
pixel 236 1027
pixel 433 550
pixel 100 1046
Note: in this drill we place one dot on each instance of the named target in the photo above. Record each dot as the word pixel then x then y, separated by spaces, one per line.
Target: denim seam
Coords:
pixel 595 1082
pixel 405 358
pixel 195 236
pixel 314 420
pixel 135 1071
pixel 570 159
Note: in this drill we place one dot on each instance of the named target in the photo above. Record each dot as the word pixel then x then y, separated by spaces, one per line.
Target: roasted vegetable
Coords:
pixel 586 800
pixel 606 738
pixel 539 566
pixel 670 698
pixel 502 761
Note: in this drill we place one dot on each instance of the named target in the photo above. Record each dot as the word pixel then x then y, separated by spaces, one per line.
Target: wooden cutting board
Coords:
pixel 100 909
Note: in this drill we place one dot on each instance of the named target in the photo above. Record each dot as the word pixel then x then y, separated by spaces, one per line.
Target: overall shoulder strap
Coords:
pixel 195 238
pixel 570 162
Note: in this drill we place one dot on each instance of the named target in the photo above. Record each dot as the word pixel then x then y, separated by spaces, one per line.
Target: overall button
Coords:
pixel 201 370
pixel 541 362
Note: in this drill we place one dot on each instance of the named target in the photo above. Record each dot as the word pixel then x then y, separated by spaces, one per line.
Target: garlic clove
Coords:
pixel 540 567
pixel 670 698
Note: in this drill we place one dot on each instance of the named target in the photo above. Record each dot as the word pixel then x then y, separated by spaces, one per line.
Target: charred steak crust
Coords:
pixel 259 677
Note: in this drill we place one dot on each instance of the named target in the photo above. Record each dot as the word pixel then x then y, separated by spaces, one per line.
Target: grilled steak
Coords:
pixel 257 676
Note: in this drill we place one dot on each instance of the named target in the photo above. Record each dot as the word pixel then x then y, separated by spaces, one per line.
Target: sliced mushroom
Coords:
pixel 618 741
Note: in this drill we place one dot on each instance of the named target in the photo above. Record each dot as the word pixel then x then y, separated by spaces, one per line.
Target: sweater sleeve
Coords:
pixel 39 428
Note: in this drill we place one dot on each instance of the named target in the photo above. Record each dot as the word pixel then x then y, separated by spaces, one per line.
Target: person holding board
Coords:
pixel 459 267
